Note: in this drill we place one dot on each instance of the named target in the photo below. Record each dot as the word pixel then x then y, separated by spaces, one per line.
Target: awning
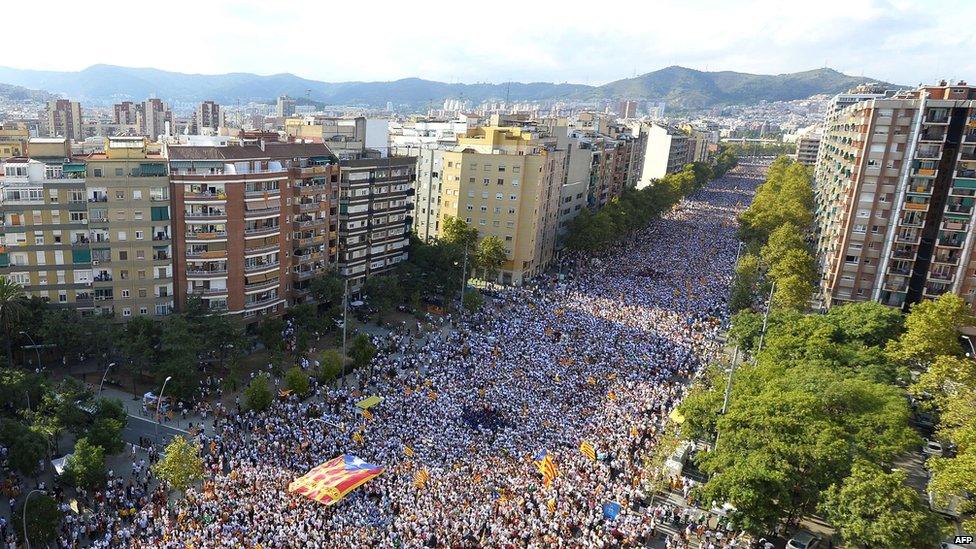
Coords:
pixel 73 168
pixel 369 402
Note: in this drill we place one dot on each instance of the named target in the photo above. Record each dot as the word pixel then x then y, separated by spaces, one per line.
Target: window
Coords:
pixel 513 197
pixel 470 180
pixel 127 312
pixel 501 181
pixel 511 210
pixel 97 172
pixel 123 255
pixel 482 222
pixel 137 215
pixel 118 172
pixel 486 181
pixel 122 236
pixel 140 254
pixel 139 235
pixel 137 195
pixel 487 167
pixel 141 274
pixel 120 195
pixel 143 310
pixel 125 293
pixel 508 238
pixel 142 292
pixel 516 169
pixel 515 182
pixel 860 229
pixel 499 196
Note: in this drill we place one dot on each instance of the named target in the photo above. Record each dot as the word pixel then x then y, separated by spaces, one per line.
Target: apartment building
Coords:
pixel 125 112
pixel 505 181
pixel 574 190
pixel 427 201
pixel 129 223
pixel 44 240
pixel 895 183
pixel 253 224
pixel 154 116
pixel 63 119
pixel 346 137
pixel 807 147
pixel 666 151
pixel 13 140
pixel 207 118
pixel 285 106
pixel 374 215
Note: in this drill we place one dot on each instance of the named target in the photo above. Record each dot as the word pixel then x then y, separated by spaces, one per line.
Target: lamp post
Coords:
pixel 159 402
pixel 23 333
pixel 970 342
pixel 769 305
pixel 345 322
pixel 107 368
pixel 29 494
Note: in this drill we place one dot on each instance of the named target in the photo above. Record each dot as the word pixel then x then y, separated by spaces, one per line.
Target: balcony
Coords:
pixel 207 291
pixel 161 237
pixel 261 302
pixel 206 273
pixel 305 275
pixel 262 248
pixel 265 285
pixel 959 209
pixel 206 254
pixel 309 206
pixel 103 278
pixel 255 231
pixel 160 256
pixel 917 206
pixel 262 193
pixel 261 267
pixel 205 216
pixel 210 235
pixel 204 196
pixel 950 242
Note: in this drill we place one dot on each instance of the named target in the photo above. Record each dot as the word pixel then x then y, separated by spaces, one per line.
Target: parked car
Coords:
pixel 932 448
pixel 804 540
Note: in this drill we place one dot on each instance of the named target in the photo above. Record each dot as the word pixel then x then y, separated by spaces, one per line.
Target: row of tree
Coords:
pixel 775 231
pixel 815 424
pixel 634 209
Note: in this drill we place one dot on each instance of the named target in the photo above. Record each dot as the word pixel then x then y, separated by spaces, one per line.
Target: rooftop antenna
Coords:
pixel 508 91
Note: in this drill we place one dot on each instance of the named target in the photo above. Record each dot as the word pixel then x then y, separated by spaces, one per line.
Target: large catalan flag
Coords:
pixel 331 481
pixel 543 461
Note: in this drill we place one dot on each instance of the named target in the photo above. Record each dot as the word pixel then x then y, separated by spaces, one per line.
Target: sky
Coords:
pixel 900 41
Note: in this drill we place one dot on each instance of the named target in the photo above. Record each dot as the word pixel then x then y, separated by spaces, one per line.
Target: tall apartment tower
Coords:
pixel 285 106
pixel 208 116
pixel 155 114
pixel 64 120
pixel 253 224
pixel 374 215
pixel 807 148
pixel 427 204
pixel 895 183
pixel 506 181
pixel 125 112
pixel 666 151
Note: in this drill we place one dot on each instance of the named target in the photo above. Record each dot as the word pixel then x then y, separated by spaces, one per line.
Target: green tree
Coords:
pixel 793 293
pixel 362 350
pixel 25 447
pixel 932 329
pixel 490 256
pixel 107 425
pixel 872 508
pixel 946 376
pixel 869 322
pixel 746 280
pixel 85 466
pixel 473 300
pixel 12 305
pixel 456 231
pixel 181 464
pixel 43 519
pixel 782 240
pixel 258 395
pixel 327 288
pixel 330 366
pixel 269 332
pixel 297 381
pixel 745 329
pixel 139 344
pixel 383 292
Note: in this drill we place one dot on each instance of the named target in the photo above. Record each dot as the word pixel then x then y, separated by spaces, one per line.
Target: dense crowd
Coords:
pixel 602 356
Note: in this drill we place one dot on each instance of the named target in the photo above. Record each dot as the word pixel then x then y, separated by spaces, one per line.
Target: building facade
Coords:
pixel 374 215
pixel 807 148
pixel 666 151
pixel 427 198
pixel 63 119
pixel 506 182
pixel 251 223
pixel 207 118
pixel 895 183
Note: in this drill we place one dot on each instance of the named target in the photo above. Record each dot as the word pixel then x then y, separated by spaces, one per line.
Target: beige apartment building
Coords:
pixel 129 221
pixel 45 235
pixel 895 186
pixel 13 140
pixel 506 181
pixel 63 119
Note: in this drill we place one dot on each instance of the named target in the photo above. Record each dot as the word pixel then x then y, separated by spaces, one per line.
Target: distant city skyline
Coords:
pixel 899 41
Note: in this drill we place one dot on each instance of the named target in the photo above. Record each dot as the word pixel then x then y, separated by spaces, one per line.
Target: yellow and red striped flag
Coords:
pixel 420 478
pixel 588 450
pixel 368 415
pixel 612 395
pixel 358 437
pixel 332 480
pixel 551 505
pixel 543 461
pixel 408 451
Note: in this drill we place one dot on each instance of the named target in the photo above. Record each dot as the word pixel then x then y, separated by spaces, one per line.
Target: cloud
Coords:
pixel 904 41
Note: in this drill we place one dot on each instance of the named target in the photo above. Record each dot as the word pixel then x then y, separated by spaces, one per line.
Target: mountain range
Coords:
pixel 679 87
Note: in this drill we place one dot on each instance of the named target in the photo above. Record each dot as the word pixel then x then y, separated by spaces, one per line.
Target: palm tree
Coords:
pixel 12 305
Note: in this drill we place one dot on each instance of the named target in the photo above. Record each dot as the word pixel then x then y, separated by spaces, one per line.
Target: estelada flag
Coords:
pixel 543 461
pixel 331 481
pixel 420 478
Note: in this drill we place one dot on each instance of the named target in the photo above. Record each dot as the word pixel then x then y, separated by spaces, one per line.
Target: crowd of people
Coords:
pixel 601 356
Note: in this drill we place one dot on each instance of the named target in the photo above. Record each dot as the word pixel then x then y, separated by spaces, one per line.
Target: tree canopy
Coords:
pixel 181 464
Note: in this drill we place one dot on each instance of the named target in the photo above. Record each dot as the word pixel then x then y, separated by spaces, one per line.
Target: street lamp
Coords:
pixel 159 402
pixel 23 333
pixel 107 368
pixel 970 342
pixel 29 494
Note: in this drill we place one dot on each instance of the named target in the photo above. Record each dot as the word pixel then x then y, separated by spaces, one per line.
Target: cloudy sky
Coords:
pixel 901 41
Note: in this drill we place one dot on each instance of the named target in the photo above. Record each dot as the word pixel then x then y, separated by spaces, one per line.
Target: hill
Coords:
pixel 688 88
pixel 18 93
pixel 678 86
